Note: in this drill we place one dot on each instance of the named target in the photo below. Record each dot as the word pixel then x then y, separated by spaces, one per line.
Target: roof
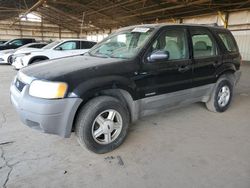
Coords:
pixel 164 25
pixel 63 40
pixel 84 15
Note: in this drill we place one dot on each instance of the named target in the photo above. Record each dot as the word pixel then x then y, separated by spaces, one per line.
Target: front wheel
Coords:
pixel 221 97
pixel 102 124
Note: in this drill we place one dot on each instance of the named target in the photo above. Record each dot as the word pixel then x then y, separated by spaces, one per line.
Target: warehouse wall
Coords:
pixel 239 24
pixel 41 31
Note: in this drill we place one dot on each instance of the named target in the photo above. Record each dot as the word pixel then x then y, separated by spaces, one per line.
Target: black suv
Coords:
pixel 16 43
pixel 134 72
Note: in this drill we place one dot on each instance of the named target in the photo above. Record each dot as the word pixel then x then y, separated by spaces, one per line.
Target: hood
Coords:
pixel 7 51
pixel 27 50
pixel 58 68
pixel 4 47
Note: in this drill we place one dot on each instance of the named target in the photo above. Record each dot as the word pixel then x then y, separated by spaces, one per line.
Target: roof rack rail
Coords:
pixel 212 24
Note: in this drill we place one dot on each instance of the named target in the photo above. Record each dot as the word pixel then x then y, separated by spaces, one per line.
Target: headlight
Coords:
pixel 48 90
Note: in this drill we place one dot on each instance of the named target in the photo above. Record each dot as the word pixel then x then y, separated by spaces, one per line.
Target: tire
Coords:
pixel 95 116
pixel 222 94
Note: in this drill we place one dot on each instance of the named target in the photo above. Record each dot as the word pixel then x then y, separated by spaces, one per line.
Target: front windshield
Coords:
pixel 8 42
pixel 51 45
pixel 125 44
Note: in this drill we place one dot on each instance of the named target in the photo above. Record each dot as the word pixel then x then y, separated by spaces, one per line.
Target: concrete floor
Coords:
pixel 187 147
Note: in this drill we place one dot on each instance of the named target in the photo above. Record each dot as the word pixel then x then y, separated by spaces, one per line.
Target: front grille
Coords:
pixel 19 85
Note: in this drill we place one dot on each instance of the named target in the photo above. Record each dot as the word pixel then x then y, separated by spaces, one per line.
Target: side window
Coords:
pixel 16 43
pixel 87 45
pixel 173 41
pixel 36 45
pixel 71 45
pixel 228 42
pixel 203 44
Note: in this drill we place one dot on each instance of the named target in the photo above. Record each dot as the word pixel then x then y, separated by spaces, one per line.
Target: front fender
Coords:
pixel 89 87
pixel 38 57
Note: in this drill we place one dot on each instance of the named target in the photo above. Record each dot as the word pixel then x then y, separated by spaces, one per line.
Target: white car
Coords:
pixel 57 49
pixel 5 54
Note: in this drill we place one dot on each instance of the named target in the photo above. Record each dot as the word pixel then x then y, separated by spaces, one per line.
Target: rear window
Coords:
pixel 228 42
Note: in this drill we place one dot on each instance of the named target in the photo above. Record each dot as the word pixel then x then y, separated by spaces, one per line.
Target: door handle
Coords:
pixel 143 73
pixel 215 64
pixel 183 68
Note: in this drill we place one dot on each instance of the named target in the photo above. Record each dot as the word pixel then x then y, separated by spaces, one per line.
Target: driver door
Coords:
pixel 164 76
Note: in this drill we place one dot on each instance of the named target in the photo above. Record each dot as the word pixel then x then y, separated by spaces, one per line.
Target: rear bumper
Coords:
pixel 48 116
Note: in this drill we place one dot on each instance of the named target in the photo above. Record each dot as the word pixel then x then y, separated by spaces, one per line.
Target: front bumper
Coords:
pixel 237 76
pixel 4 58
pixel 17 63
pixel 3 61
pixel 48 116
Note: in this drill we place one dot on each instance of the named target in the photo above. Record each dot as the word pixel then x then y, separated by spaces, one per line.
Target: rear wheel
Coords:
pixel 222 95
pixel 102 124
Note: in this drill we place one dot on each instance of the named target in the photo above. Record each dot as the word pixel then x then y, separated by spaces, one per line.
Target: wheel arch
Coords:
pixel 121 94
pixel 227 69
pixel 37 57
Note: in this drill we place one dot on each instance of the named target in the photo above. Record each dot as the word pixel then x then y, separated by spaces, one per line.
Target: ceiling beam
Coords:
pixel 34 7
pixel 165 9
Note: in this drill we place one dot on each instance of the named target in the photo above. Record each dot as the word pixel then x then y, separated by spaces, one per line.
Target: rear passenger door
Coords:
pixel 205 56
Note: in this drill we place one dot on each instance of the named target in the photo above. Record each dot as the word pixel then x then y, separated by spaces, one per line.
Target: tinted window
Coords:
pixel 203 44
pixel 87 45
pixel 71 45
pixel 173 41
pixel 228 42
pixel 37 45
pixel 16 42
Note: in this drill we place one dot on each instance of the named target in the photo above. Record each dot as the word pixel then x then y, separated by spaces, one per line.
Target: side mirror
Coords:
pixel 59 48
pixel 158 55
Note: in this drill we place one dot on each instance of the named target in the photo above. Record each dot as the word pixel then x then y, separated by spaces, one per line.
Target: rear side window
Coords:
pixel 228 42
pixel 203 43
pixel 37 45
pixel 87 45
